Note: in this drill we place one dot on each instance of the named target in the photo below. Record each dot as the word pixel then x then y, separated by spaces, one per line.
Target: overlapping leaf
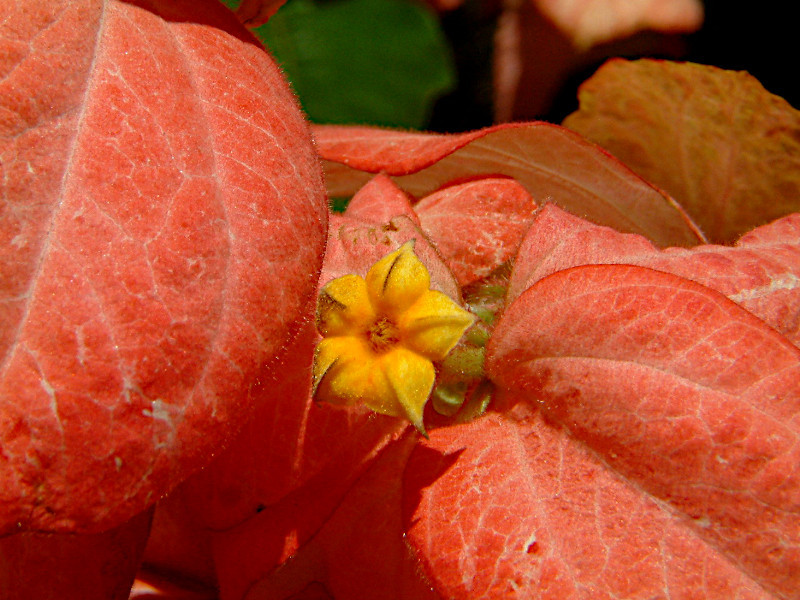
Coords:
pixel 476 226
pixel 761 272
pixel 358 550
pixel 550 162
pixel 380 201
pixel 54 566
pixel 163 225
pixel 677 389
pixel 290 442
pixel 720 144
pixel 523 510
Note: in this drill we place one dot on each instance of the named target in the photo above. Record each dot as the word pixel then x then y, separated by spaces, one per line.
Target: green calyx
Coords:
pixel 462 390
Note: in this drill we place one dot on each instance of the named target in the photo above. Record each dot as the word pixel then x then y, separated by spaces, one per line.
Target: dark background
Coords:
pixel 760 38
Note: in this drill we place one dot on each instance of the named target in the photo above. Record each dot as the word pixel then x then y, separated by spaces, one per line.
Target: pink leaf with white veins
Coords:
pixel 353 247
pixel 163 224
pixel 476 225
pixel 524 511
pixel 761 272
pixel 677 389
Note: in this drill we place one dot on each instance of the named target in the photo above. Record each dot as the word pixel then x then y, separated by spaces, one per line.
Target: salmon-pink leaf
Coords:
pixel 680 391
pixel 477 225
pixel 379 201
pixel 64 566
pixel 717 141
pixel 163 223
pixel 352 548
pixel 525 511
pixel 290 441
pixel 354 247
pixel 761 272
pixel 549 161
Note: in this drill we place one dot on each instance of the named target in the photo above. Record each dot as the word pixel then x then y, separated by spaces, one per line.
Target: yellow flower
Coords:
pixel 381 335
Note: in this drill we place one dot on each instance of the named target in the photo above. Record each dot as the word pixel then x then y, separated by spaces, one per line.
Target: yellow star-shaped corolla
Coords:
pixel 381 336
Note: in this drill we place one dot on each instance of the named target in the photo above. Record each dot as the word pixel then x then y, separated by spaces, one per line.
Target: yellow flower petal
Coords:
pixel 345 372
pixel 411 378
pixel 397 280
pixel 344 307
pixel 433 325
pixel 381 334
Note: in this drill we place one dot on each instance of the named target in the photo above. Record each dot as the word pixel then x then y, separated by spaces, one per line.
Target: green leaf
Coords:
pixel 338 204
pixel 378 62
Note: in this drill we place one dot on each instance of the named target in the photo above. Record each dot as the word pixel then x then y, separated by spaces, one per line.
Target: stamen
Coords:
pixel 382 335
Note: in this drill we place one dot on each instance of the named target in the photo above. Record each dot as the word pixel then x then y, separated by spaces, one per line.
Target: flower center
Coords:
pixel 382 335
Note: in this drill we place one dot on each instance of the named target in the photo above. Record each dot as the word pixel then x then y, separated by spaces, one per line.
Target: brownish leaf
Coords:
pixel 717 141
